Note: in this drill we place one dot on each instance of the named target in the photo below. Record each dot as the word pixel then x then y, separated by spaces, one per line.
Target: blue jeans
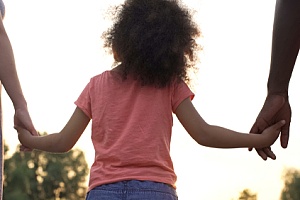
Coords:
pixel 1 148
pixel 2 8
pixel 133 190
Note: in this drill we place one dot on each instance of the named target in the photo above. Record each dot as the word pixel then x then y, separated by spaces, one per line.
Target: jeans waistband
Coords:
pixel 138 185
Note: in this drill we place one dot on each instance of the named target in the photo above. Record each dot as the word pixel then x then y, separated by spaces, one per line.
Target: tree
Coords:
pixel 247 195
pixel 40 175
pixel 291 189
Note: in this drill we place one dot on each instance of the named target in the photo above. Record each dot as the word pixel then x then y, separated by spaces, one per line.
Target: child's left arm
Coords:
pixel 220 137
pixel 57 142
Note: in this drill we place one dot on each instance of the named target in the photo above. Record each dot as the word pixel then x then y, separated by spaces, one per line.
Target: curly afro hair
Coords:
pixel 154 41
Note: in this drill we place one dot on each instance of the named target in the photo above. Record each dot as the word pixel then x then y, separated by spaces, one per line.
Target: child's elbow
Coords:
pixel 203 140
pixel 63 147
pixel 66 149
pixel 200 136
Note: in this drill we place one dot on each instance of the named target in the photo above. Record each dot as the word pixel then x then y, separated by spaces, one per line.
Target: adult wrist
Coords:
pixel 274 88
pixel 20 105
pixel 284 94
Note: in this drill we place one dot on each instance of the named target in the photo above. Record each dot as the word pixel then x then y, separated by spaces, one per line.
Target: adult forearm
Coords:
pixel 8 73
pixel 285 45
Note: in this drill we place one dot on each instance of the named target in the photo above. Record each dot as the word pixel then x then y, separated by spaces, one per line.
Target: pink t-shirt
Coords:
pixel 131 128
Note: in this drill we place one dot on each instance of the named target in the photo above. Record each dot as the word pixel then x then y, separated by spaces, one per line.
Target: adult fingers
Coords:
pixel 25 149
pixel 284 137
pixel 262 154
pixel 266 153
pixel 254 130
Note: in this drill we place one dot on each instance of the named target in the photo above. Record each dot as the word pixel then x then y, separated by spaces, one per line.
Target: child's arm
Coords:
pixel 218 137
pixel 57 142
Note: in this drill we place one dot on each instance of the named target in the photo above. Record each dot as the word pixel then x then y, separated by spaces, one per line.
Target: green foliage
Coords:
pixel 246 194
pixel 40 175
pixel 291 189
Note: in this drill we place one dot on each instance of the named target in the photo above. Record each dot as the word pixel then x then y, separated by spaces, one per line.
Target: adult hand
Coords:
pixel 275 108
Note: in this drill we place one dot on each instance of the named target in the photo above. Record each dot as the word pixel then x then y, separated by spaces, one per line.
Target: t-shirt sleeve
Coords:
pixel 181 92
pixel 84 100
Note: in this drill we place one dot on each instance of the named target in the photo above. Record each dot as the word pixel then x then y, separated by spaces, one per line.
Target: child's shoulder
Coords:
pixel 107 75
pixel 102 74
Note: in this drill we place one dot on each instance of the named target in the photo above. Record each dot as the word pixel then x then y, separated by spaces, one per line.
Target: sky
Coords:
pixel 58 48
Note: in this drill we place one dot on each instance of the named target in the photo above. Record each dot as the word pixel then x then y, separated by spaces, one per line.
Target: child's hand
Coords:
pixel 22 119
pixel 271 133
pixel 24 136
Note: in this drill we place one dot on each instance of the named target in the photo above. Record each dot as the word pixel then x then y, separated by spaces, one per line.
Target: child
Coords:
pixel 131 106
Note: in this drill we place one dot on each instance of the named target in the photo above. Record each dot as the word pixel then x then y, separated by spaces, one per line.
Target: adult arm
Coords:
pixel 285 45
pixel 8 73
pixel 285 48
pixel 9 79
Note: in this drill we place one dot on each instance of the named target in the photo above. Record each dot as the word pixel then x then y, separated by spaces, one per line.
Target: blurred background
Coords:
pixel 58 48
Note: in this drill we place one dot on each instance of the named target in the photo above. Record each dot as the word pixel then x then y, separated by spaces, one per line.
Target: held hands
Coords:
pixel 271 133
pixel 275 108
pixel 23 120
pixel 24 136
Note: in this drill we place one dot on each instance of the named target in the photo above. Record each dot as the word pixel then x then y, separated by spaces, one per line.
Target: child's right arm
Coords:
pixel 219 137
pixel 57 142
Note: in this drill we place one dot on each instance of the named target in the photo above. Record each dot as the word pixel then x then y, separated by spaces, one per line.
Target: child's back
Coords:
pixel 131 128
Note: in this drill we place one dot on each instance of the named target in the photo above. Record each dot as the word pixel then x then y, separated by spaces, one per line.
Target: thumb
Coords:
pixel 278 125
pixel 17 128
pixel 32 130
